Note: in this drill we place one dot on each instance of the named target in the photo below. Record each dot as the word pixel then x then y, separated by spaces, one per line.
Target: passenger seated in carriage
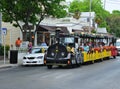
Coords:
pixel 86 47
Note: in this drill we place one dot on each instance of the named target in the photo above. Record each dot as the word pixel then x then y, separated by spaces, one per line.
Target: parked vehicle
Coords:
pixel 59 55
pixel 118 46
pixel 36 57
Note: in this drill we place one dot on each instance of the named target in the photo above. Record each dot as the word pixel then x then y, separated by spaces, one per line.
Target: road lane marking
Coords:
pixel 63 75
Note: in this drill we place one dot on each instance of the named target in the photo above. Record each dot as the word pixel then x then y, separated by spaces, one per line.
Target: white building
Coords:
pixel 72 23
pixel 12 34
pixel 101 30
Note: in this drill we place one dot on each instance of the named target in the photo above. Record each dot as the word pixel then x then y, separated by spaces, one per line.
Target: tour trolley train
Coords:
pixel 66 52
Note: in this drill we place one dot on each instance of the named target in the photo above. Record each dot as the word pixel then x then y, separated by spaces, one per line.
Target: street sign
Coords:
pixel 4 31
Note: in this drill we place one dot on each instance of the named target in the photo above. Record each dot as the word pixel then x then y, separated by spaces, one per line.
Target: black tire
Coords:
pixel 101 59
pixel 60 66
pixel 49 66
pixel 92 61
pixel 114 57
pixel 78 61
pixel 70 66
pixel 79 64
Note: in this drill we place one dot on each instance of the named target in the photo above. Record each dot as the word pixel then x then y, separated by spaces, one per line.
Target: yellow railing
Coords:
pixel 95 55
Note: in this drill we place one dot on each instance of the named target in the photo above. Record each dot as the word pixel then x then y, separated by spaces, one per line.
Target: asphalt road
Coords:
pixel 100 75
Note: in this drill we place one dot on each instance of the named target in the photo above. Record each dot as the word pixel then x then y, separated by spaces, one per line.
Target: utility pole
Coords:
pixel 104 3
pixel 90 17
pixel 0 28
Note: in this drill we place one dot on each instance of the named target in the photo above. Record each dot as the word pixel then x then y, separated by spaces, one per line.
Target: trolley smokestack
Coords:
pixel 57 34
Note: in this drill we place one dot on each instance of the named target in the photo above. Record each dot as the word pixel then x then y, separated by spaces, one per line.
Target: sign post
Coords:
pixel 4 32
pixel 0 27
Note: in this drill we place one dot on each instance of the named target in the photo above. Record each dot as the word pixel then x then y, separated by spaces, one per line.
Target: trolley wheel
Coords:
pixel 79 64
pixel 60 66
pixel 49 66
pixel 71 65
pixel 101 59
pixel 114 57
pixel 93 61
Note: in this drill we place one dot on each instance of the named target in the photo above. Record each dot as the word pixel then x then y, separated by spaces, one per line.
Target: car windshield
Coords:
pixel 117 43
pixel 38 50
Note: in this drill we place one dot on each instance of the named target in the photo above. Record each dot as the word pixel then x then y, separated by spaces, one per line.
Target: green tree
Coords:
pixel 96 6
pixel 30 12
pixel 113 22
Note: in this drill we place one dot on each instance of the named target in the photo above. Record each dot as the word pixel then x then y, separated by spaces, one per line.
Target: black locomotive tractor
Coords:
pixel 63 53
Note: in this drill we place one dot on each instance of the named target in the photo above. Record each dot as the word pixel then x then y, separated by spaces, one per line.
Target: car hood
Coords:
pixel 35 55
pixel 117 46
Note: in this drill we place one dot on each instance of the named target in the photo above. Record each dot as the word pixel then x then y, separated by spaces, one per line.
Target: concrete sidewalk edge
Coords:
pixel 8 65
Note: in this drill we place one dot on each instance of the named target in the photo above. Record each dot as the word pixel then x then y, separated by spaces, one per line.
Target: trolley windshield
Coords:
pixel 67 41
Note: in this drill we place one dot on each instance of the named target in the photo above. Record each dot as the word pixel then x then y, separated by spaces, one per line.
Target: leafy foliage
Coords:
pixel 30 12
pixel 113 22
pixel 2 49
pixel 96 6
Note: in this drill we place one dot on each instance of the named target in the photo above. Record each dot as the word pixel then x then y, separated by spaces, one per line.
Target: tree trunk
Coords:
pixel 25 35
pixel 30 35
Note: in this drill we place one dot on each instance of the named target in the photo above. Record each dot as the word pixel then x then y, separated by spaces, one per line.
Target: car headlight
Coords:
pixel 24 58
pixel 52 54
pixel 40 57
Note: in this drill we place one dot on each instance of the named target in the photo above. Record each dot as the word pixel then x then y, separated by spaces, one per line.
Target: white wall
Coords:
pixel 12 33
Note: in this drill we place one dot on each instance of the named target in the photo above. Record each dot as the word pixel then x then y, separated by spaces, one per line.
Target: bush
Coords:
pixel 1 50
pixel 7 47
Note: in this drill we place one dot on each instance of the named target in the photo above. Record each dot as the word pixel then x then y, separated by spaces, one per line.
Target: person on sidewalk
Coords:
pixel 43 43
pixel 30 47
pixel 17 43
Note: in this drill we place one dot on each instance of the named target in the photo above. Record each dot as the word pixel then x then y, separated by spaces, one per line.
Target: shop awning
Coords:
pixel 45 28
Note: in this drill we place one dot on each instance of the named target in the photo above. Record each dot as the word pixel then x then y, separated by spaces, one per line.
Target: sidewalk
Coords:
pixel 6 63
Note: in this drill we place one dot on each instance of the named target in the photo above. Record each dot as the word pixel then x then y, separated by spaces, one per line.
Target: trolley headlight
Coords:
pixel 63 54
pixel 52 54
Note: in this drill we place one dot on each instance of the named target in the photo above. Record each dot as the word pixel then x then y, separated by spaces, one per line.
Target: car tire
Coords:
pixel 49 66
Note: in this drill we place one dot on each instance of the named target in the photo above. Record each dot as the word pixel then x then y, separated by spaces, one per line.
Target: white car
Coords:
pixel 118 46
pixel 36 57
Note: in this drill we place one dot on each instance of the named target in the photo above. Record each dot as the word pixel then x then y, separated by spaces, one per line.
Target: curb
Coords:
pixel 8 66
pixel 5 67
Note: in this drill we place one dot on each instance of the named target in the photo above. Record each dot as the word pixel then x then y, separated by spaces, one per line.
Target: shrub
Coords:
pixel 7 47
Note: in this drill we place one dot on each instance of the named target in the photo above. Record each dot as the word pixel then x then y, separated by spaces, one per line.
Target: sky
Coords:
pixel 110 5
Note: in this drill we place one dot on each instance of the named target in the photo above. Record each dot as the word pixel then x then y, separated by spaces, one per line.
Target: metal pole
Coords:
pixel 4 48
pixel 90 17
pixel 0 27
pixel 35 40
pixel 10 39
pixel 104 3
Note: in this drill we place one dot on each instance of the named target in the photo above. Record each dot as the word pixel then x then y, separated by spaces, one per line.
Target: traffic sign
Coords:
pixel 4 31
